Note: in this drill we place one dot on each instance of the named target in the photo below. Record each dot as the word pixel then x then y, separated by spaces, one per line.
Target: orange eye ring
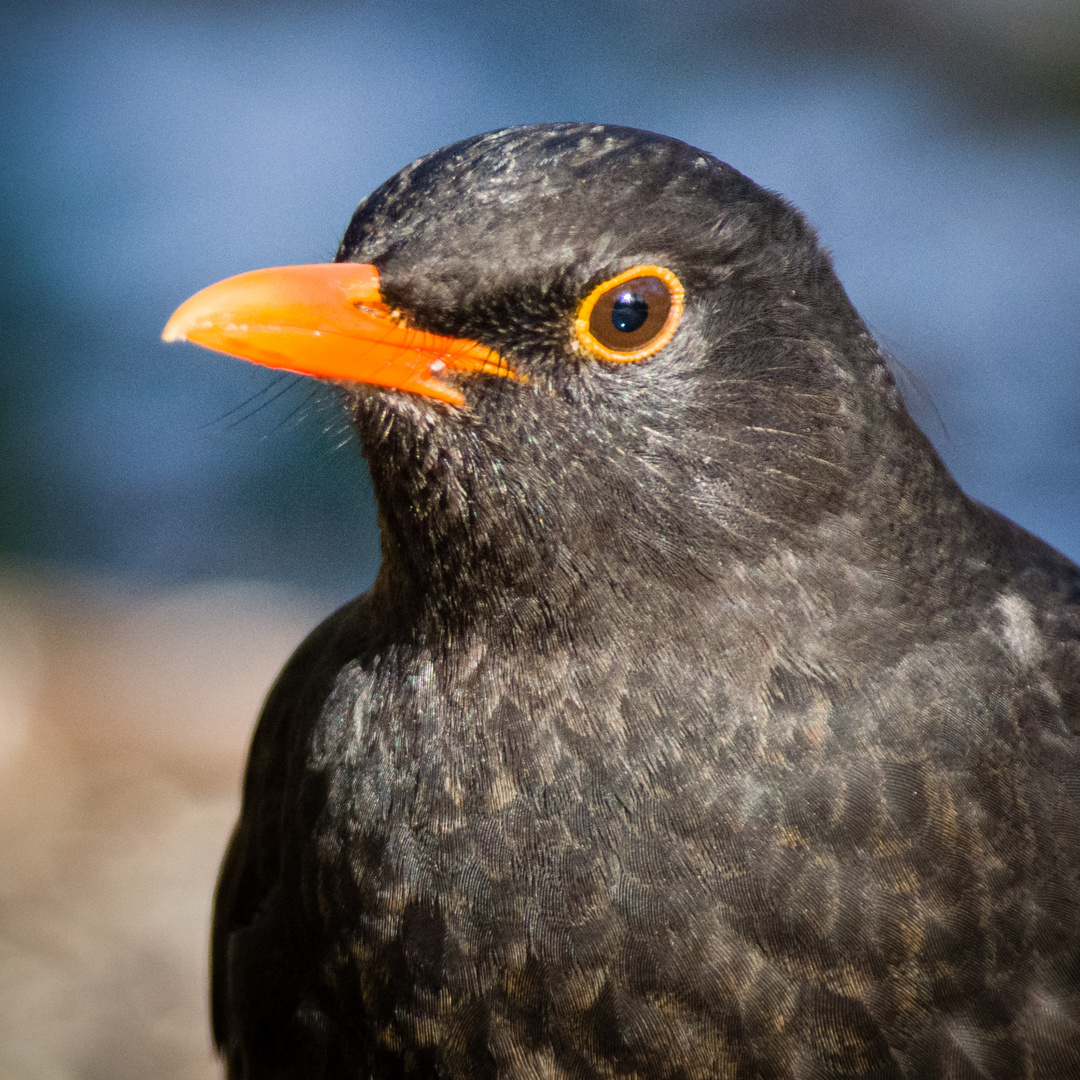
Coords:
pixel 596 316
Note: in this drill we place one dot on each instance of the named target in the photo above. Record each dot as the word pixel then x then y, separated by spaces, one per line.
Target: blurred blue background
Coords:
pixel 146 152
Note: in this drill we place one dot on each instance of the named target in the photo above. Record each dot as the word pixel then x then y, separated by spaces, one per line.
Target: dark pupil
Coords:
pixel 629 312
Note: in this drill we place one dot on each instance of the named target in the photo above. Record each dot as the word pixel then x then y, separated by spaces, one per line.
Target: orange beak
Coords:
pixel 327 320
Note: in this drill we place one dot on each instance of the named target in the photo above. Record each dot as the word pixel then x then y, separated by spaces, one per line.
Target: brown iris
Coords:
pixel 632 315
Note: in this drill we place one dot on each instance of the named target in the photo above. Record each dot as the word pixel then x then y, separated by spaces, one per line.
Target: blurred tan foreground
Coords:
pixel 124 723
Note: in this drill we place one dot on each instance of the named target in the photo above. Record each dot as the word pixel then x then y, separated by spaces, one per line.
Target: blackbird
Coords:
pixel 697 725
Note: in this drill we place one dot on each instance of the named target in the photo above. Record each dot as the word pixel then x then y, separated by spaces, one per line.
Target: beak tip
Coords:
pixel 175 329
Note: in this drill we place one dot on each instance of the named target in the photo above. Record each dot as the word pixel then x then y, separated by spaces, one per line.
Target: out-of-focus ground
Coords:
pixel 124 723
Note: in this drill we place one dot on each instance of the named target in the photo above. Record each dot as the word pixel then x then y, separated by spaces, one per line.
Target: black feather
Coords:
pixel 698 725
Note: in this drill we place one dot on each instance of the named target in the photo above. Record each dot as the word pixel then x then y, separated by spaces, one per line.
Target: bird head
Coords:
pixel 579 354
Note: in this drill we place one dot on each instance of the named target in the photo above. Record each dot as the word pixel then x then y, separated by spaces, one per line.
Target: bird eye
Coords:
pixel 629 312
pixel 632 315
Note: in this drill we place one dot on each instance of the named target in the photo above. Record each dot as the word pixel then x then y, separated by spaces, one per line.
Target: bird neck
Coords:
pixel 578 544
pixel 549 571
